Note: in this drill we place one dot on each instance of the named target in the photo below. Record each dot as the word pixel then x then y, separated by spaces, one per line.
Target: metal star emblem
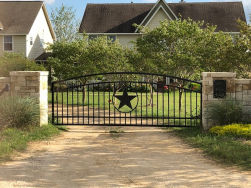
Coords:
pixel 125 99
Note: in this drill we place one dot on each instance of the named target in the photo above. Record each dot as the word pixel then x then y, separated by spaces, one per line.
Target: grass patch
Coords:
pixel 226 149
pixel 13 139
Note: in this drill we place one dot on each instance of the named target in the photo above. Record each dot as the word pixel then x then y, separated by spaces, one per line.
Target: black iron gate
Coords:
pixel 127 99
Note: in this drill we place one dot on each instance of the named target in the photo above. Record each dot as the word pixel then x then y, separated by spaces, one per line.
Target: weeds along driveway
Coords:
pixel 139 157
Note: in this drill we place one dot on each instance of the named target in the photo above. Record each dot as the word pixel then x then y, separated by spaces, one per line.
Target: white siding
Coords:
pixel 41 36
pixel 156 19
pixel 126 40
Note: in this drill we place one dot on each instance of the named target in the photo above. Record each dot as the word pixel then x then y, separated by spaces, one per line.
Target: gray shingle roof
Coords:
pixel 118 18
pixel 17 17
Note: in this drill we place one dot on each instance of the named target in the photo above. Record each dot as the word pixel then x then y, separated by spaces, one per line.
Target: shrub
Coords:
pixel 237 130
pixel 19 112
pixel 225 112
pixel 16 62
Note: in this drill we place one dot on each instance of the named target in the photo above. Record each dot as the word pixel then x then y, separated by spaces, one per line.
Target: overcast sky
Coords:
pixel 79 5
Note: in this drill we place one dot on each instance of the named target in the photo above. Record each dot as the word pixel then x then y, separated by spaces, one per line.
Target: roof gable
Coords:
pixel 119 18
pixel 160 4
pixel 17 17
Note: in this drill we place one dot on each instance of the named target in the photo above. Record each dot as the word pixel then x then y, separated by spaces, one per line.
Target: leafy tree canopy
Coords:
pixel 186 48
pixel 85 56
pixel 64 23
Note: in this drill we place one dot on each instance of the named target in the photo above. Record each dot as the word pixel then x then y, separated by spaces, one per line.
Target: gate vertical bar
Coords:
pixel 146 105
pixel 163 106
pixel 200 104
pixel 104 104
pixel 141 113
pixel 109 103
pixel 77 102
pixel 62 94
pixel 52 93
pixel 72 101
pixel 67 102
pixel 88 104
pixel 185 107
pixel 83 102
pixel 93 101
pixel 157 104
pixel 98 106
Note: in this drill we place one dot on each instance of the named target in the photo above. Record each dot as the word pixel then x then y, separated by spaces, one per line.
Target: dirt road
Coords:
pixel 139 157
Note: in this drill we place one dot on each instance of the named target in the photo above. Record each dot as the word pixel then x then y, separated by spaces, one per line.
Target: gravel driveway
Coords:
pixel 139 157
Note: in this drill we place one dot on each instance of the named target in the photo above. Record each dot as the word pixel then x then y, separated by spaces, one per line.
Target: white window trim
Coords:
pixel 12 44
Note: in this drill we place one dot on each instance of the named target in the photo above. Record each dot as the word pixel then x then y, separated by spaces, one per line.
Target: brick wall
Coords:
pixel 236 89
pixel 28 84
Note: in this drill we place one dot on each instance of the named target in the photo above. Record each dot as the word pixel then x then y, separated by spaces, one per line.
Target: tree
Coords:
pixel 81 57
pixel 185 48
pixel 17 62
pixel 64 23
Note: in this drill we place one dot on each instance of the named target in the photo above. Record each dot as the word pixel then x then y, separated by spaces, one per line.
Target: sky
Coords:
pixel 79 5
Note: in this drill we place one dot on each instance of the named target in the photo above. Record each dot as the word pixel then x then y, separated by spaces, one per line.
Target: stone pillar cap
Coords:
pixel 219 74
pixel 29 73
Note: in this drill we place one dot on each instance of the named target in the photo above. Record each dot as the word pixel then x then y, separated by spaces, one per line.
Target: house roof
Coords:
pixel 44 56
pixel 118 18
pixel 17 17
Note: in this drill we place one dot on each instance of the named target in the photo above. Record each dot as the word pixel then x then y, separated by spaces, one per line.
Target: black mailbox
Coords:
pixel 220 88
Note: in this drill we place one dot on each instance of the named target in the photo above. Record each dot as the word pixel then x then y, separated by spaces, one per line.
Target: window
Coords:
pixel 42 43
pixel 8 43
pixel 31 41
pixel 91 37
pixel 111 38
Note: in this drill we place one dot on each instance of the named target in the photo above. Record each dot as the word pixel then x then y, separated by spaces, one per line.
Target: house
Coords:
pixel 25 28
pixel 116 20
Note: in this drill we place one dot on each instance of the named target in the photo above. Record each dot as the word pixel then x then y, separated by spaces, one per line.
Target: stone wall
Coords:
pixel 236 89
pixel 28 84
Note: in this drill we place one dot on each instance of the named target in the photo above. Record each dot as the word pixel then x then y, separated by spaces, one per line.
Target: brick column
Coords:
pixel 32 84
pixel 207 92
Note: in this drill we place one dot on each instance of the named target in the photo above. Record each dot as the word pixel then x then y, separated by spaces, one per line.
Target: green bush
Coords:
pixel 225 112
pixel 236 130
pixel 19 112
pixel 16 62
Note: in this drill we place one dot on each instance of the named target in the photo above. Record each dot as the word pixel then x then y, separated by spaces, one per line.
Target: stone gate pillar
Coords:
pixel 32 84
pixel 208 93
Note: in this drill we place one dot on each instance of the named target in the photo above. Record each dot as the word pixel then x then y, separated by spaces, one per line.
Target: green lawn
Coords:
pixel 227 149
pixel 164 104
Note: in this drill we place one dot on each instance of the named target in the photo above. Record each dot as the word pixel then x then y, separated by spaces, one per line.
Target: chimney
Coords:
pixel 1 26
pixel 182 1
